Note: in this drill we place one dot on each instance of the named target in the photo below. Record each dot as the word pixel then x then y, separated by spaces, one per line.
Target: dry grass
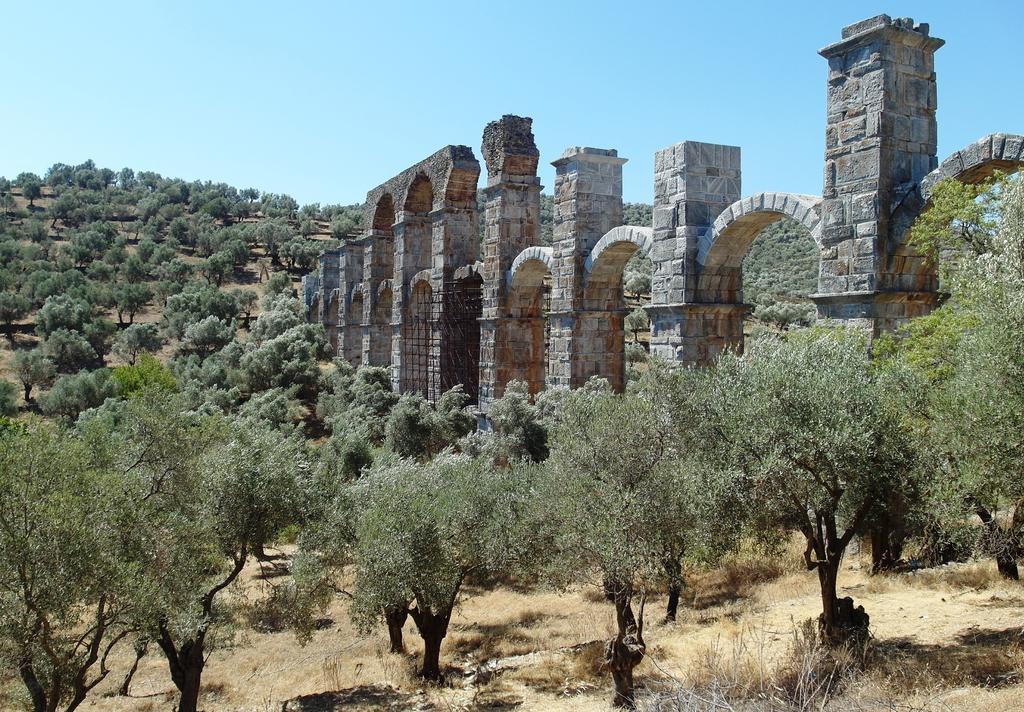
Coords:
pixel 949 639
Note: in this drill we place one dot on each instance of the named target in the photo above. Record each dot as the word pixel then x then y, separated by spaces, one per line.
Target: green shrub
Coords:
pixel 147 373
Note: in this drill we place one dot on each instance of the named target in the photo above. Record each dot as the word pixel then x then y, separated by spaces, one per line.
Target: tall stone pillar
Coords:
pixel 588 203
pixel 693 183
pixel 880 140
pixel 511 344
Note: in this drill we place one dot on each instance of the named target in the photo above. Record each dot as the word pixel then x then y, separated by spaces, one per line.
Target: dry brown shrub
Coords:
pixel 741 672
pixel 977 575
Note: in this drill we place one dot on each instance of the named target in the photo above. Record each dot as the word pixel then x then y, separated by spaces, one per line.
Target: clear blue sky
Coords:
pixel 324 100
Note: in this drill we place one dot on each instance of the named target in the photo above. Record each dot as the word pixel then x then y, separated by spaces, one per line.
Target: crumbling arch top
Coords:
pixel 971 164
pixel 979 160
pixel 453 173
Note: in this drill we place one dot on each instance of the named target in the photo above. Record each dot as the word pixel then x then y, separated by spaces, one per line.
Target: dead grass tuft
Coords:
pixel 977 575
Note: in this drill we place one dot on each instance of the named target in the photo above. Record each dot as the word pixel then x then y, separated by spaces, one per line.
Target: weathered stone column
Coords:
pixel 588 203
pixel 880 141
pixel 693 183
pixel 330 277
pixel 512 221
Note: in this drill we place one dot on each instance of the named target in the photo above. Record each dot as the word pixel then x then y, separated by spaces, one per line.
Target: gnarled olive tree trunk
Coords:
pixel 840 622
pixel 395 617
pixel 626 650
pixel 673 572
pixel 1005 544
pixel 433 627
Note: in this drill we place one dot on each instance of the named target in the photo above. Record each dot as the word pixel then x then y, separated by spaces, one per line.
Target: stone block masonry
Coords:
pixel 417 292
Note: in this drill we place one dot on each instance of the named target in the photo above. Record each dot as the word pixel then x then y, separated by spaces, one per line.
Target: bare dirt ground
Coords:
pixel 948 639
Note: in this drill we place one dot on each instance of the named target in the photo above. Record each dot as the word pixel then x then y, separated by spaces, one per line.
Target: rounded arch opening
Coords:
pixel 527 336
pixel 722 251
pixel 417 233
pixel 608 311
pixel 906 269
pixel 417 339
pixel 354 327
pixel 779 273
pixel 419 198
pixel 380 329
pixel 384 214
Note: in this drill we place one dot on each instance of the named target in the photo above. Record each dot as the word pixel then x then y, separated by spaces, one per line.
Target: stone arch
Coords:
pixel 621 240
pixel 379 351
pixel 331 319
pixel 601 322
pixel 384 214
pixel 905 269
pixel 418 279
pixel 417 338
pixel 523 355
pixel 978 161
pixel 543 255
pixel 414 247
pixel 419 198
pixel 606 262
pixel 353 330
pixel 720 252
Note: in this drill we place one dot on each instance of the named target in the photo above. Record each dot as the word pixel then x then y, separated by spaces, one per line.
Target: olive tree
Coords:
pixel 33 369
pixel 289 359
pixel 976 408
pixel 418 429
pixel 69 553
pixel 63 312
pixel 69 351
pixel 519 431
pixel 422 531
pixel 71 395
pixel 820 437
pixel 622 495
pixel 129 299
pixel 637 321
pixel 137 339
pixel 214 493
pixel 31 187
pixel 13 306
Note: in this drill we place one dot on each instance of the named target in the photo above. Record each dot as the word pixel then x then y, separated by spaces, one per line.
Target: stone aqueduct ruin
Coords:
pixel 417 292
